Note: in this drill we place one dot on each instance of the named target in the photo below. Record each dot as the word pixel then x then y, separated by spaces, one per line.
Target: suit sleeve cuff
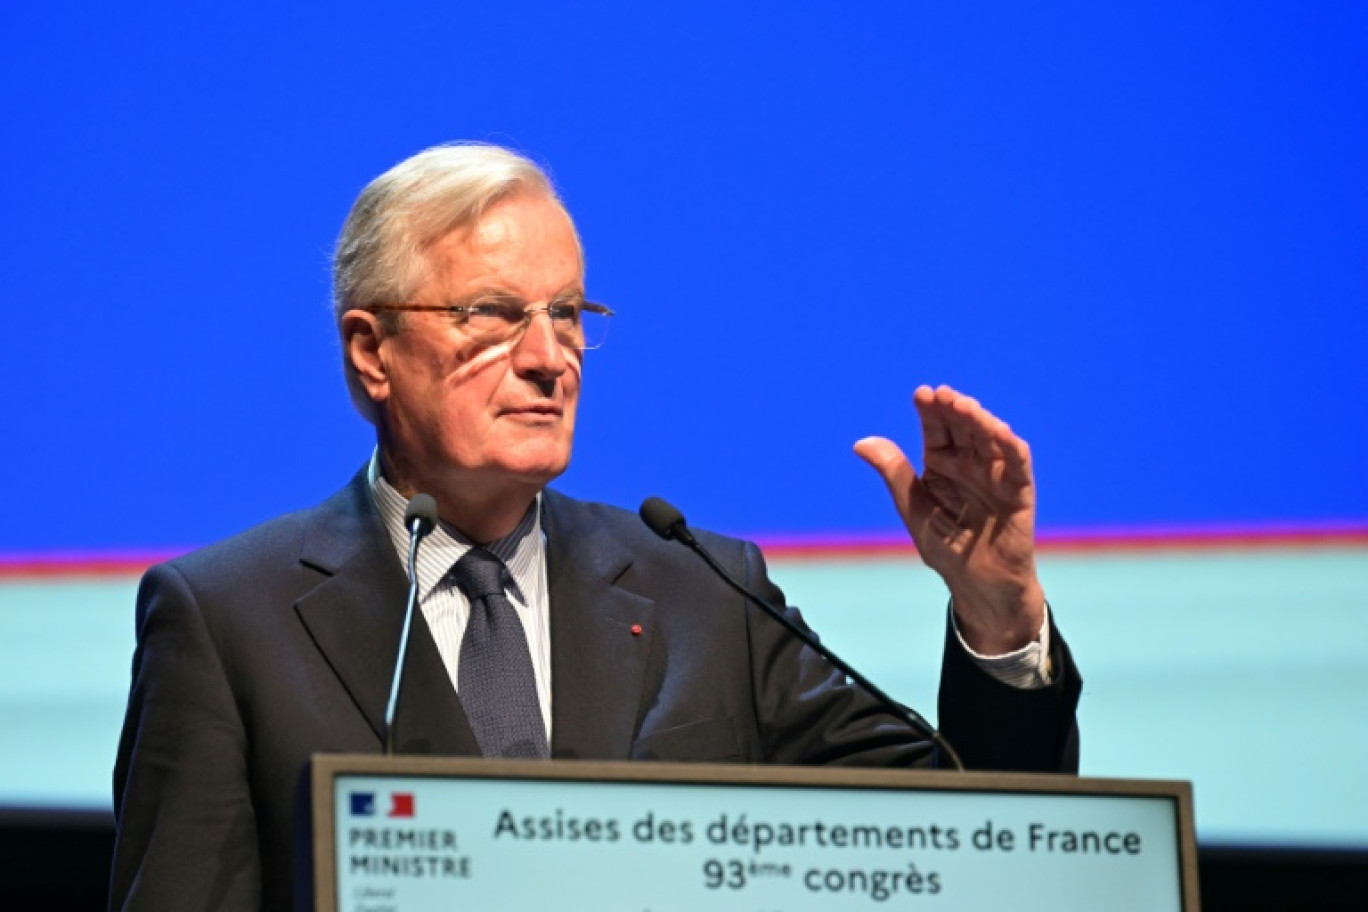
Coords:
pixel 1027 668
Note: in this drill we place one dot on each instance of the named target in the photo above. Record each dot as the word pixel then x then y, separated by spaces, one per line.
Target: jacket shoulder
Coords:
pixel 627 528
pixel 321 537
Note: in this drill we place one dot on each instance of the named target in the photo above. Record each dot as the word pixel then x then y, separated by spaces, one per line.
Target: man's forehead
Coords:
pixel 524 244
pixel 519 219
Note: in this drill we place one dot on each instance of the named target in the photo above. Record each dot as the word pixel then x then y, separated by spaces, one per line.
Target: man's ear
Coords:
pixel 362 337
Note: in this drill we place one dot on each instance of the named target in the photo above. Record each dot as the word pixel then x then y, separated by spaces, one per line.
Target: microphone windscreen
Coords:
pixel 422 509
pixel 661 517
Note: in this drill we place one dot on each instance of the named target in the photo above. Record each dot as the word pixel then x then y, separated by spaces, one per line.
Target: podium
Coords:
pixel 413 834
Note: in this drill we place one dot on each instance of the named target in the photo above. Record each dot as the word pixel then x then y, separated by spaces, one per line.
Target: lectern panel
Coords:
pixel 404 836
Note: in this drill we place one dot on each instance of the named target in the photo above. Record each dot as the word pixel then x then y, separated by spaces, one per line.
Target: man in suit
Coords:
pixel 460 306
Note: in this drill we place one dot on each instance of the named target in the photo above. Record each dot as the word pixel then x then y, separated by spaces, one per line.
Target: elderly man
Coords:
pixel 548 626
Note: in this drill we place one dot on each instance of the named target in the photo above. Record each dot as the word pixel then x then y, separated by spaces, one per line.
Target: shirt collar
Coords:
pixel 521 550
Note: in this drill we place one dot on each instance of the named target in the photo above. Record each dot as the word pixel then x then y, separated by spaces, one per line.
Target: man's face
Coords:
pixel 456 413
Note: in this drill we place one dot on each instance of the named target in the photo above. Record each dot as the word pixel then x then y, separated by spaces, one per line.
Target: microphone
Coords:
pixel 420 518
pixel 666 521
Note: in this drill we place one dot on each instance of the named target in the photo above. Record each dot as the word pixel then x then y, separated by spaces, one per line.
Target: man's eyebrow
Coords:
pixel 487 292
pixel 575 290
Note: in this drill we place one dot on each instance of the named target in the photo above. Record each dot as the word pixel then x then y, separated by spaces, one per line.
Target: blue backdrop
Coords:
pixel 1138 234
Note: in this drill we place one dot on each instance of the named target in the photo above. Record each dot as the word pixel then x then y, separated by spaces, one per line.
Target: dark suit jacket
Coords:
pixel 261 650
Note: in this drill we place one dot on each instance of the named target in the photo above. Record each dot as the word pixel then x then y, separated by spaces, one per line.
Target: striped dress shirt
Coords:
pixel 446 609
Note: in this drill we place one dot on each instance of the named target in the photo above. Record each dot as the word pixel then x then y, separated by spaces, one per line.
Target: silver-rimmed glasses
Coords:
pixel 578 324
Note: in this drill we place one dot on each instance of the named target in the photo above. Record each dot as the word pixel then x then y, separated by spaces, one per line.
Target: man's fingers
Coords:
pixel 963 440
pixel 954 418
pixel 935 435
pixel 887 458
pixel 951 420
pixel 986 447
pixel 1016 453
pixel 965 416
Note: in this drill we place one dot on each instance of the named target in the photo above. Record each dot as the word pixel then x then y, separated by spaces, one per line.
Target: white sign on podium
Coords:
pixel 408 834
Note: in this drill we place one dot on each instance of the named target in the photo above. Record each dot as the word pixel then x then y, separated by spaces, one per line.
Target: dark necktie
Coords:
pixel 498 688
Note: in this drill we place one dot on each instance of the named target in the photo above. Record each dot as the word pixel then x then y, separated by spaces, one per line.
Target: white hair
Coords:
pixel 381 254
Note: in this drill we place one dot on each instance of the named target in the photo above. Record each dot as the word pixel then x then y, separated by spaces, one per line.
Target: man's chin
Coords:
pixel 536 470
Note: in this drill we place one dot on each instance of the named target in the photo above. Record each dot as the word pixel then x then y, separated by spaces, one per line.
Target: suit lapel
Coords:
pixel 600 636
pixel 355 615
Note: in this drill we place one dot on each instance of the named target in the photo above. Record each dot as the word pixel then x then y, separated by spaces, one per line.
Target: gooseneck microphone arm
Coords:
pixel 667 522
pixel 420 518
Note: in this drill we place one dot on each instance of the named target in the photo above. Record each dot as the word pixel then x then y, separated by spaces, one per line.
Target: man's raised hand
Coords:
pixel 972 515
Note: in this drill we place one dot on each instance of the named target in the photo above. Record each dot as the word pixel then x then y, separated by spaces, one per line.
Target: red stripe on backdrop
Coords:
pixel 830 547
pixel 93 564
pixel 834 547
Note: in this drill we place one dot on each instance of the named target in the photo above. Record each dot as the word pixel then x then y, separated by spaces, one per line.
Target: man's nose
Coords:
pixel 537 352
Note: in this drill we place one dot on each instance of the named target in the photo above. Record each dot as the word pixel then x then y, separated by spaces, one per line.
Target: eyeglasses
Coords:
pixel 578 324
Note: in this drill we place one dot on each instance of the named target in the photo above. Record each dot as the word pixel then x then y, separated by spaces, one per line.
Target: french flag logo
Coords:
pixel 401 804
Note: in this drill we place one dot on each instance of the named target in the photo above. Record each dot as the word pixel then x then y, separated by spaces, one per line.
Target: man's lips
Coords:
pixel 535 410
